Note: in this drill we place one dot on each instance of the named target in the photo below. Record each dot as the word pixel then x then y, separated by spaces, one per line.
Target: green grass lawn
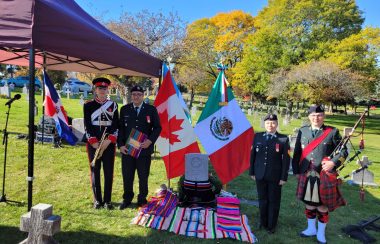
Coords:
pixel 62 179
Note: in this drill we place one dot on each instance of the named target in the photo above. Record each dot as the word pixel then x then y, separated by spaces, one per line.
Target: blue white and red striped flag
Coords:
pixel 55 110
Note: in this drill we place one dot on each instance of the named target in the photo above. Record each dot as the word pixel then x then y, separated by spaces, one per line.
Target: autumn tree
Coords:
pixel 292 32
pixel 209 40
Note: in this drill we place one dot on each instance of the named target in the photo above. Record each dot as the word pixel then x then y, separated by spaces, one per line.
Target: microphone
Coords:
pixel 16 97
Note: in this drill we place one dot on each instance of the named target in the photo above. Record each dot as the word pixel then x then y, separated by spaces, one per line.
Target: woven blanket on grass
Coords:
pixel 200 223
pixel 228 214
pixel 162 204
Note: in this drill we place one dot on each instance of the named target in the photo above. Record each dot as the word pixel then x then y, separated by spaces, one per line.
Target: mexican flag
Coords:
pixel 225 132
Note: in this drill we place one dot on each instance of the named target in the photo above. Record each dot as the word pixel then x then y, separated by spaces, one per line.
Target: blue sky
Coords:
pixel 191 10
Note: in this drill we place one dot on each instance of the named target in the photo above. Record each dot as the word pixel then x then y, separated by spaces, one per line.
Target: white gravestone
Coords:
pixel 41 224
pixel 25 90
pixel 5 91
pixel 81 100
pixel 78 128
pixel 249 111
pixel 68 92
pixel 196 167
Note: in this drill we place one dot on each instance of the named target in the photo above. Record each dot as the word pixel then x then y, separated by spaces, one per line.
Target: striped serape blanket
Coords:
pixel 195 222
pixel 228 214
pixel 162 204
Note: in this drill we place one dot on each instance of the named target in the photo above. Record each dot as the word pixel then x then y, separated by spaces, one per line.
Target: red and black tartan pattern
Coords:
pixel 323 217
pixel 301 186
pixel 328 190
pixel 310 213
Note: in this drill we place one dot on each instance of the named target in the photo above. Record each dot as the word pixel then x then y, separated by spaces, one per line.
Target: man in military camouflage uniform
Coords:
pixel 101 114
pixel 316 171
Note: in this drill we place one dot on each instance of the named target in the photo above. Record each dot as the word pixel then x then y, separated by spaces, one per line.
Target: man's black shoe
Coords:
pixel 124 205
pixel 108 206
pixel 142 203
pixel 270 231
pixel 97 205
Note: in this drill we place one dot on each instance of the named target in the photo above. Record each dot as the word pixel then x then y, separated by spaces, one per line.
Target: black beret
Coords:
pixel 316 109
pixel 137 88
pixel 101 81
pixel 271 117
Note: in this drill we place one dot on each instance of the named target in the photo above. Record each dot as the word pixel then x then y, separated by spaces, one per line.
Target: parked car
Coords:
pixel 76 86
pixel 20 81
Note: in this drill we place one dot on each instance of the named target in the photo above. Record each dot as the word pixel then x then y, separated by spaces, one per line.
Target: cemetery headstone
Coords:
pixel 78 128
pixel 68 92
pixel 85 94
pixel 196 167
pixel 41 224
pixel 249 111
pixel 5 91
pixel 81 100
pixel 365 176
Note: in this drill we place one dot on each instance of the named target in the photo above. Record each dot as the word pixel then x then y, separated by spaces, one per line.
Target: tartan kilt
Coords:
pixel 301 186
pixel 328 190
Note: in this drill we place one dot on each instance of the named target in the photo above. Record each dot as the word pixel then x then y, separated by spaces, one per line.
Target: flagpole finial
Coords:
pixel 220 65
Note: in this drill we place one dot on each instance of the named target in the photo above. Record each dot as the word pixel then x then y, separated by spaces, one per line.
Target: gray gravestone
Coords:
pixel 347 131
pixel 78 128
pixel 85 94
pixel 40 224
pixel 249 111
pixel 262 123
pixel 196 167
pixel 365 176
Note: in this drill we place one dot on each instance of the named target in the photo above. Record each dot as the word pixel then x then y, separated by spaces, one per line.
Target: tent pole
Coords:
pixel 31 126
pixel 43 99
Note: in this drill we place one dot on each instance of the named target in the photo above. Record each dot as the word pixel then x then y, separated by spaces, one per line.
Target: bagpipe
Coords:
pixel 347 138
pixel 342 145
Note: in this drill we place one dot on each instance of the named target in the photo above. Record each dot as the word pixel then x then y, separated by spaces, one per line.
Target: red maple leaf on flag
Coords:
pixel 170 126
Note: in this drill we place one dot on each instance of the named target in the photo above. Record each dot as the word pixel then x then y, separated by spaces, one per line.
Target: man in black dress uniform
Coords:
pixel 101 114
pixel 144 118
pixel 316 172
pixel 269 167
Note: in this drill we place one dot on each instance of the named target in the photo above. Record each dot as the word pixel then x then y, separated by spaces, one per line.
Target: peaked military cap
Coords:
pixel 137 88
pixel 271 117
pixel 316 109
pixel 101 82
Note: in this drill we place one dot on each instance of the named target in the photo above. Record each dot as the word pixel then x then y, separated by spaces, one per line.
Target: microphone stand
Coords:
pixel 5 142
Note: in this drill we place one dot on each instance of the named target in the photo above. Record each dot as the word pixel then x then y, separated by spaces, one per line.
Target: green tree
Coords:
pixel 291 32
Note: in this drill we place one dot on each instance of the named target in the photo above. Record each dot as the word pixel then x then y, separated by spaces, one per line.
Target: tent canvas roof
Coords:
pixel 69 38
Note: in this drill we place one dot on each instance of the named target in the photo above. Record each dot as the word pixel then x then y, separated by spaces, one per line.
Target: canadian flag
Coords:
pixel 177 136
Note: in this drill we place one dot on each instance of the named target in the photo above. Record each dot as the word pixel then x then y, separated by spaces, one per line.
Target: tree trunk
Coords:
pixel 289 106
pixel 192 94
